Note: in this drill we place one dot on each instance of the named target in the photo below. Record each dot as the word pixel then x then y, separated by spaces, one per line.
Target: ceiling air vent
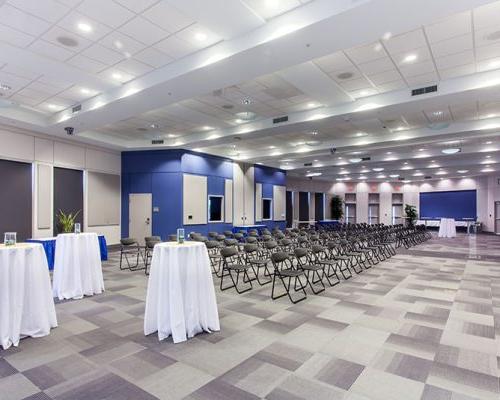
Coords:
pixel 424 90
pixel 309 164
pixel 366 158
pixel 157 141
pixel 279 120
pixel 402 178
pixel 76 109
pixel 427 177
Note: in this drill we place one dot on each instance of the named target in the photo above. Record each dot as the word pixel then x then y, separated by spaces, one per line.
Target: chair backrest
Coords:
pixel 251 239
pixel 228 234
pixel 316 248
pixel 212 234
pixel 279 257
pixel 271 244
pixel 230 242
pixel 220 238
pixel 128 242
pixel 172 237
pixel 212 244
pixel 227 252
pixel 152 239
pixel 239 236
pixel 300 252
pixel 250 248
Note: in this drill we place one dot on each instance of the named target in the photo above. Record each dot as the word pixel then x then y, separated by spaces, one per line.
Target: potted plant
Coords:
pixel 67 221
pixel 337 208
pixel 411 214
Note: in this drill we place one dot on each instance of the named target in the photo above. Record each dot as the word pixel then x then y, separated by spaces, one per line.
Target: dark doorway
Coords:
pixel 16 199
pixel 303 206
pixel 68 194
pixel 289 209
pixel 319 206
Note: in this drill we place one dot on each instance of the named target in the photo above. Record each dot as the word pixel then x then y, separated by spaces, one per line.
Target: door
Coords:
pixel 289 209
pixel 140 214
pixel 497 217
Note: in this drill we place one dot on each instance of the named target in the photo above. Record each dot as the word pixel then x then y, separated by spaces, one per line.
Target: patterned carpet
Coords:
pixel 422 325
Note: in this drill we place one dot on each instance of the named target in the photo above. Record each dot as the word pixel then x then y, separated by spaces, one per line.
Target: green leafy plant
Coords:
pixel 337 207
pixel 411 214
pixel 67 221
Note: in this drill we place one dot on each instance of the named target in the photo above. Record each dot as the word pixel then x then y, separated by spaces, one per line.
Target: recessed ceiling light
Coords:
pixel 418 174
pixel 389 153
pixel 421 149
pixel 488 142
pixel 118 44
pixel 117 75
pixel 381 177
pixel 488 170
pixel 52 106
pixel 312 105
pixel 441 173
pixel 378 169
pixel 84 27
pixel 238 121
pixel 171 136
pixel 410 58
pixel 85 91
pixel 207 128
pixel 360 134
pixel 451 151
pixel 377 47
pixel 4 86
pixel 311 174
pixel 154 126
pixel 362 177
pixel 355 160
pixel 394 175
pixel 271 147
pixel 201 36
pixel 437 113
pixel 462 171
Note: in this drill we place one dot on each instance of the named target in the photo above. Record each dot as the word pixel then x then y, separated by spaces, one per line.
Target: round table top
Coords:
pixel 19 246
pixel 176 245
pixel 77 234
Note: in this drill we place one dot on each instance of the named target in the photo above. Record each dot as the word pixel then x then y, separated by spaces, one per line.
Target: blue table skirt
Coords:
pixel 49 245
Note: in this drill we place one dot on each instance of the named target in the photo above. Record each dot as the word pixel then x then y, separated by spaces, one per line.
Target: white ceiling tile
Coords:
pixel 27 101
pixel 49 10
pixel 22 21
pixel 168 17
pixel 15 82
pixel 103 54
pixel 42 87
pixel 50 50
pixel 21 71
pixel 455 60
pixel 423 79
pixel 175 47
pixel 191 33
pixel 137 6
pixel 487 52
pixel 417 69
pixel 62 85
pixel 15 37
pixel 270 9
pixel 402 43
pixel 144 31
pixel 488 65
pixel 153 57
pixel 422 53
pixel 358 94
pixel 456 25
pixel 452 46
pixel 33 94
pixel 70 23
pixel 115 75
pixel 356 84
pixel 55 33
pixel 134 67
pixel 487 15
pixel 334 62
pixel 487 36
pixel 122 43
pixel 457 71
pixel 364 54
pixel 377 66
pixel 384 77
pixel 393 85
pixel 107 12
pixel 86 64
pixel 75 93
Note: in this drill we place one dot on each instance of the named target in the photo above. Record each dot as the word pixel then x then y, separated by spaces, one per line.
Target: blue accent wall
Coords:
pixel 457 204
pixel 269 177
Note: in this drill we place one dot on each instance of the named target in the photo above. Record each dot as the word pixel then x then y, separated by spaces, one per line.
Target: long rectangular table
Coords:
pixel 49 245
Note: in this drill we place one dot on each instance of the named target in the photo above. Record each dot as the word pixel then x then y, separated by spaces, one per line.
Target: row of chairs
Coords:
pixel 305 258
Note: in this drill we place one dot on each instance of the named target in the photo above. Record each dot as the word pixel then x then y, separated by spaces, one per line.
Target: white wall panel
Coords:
pixel 195 199
pixel 44 196
pixel 44 150
pixel 279 203
pixel 103 191
pixel 68 155
pixel 228 208
pixel 17 146
pixel 238 193
pixel 248 190
pixel 258 202
pixel 102 161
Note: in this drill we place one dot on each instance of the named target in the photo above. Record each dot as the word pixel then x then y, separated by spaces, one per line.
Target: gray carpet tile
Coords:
pixel 422 325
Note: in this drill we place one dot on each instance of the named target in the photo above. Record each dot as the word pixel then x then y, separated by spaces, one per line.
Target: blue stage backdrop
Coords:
pixel 456 204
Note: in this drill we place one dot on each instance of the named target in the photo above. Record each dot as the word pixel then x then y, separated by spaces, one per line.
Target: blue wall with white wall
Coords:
pixel 160 172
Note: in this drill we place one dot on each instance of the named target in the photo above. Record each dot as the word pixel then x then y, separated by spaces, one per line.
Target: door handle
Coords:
pixel 148 221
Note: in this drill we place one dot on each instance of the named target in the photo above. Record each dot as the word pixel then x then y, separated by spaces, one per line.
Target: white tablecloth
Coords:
pixel 447 228
pixel 26 303
pixel 77 266
pixel 181 297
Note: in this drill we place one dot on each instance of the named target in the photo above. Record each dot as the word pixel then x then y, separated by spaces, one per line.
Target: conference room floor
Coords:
pixel 422 325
